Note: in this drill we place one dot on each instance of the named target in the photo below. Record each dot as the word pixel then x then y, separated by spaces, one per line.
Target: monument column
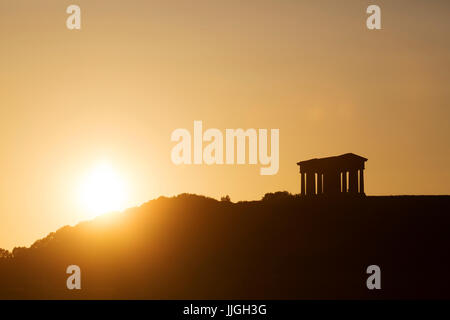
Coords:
pixel 353 183
pixel 344 182
pixel 302 184
pixel 319 183
pixel 361 181
pixel 310 183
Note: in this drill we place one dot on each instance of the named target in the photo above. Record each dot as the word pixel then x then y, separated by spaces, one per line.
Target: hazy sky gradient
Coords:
pixel 140 69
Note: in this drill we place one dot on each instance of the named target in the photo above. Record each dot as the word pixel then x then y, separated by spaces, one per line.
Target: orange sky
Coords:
pixel 140 69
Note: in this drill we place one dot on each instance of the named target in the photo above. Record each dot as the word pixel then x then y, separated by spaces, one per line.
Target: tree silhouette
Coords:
pixel 5 254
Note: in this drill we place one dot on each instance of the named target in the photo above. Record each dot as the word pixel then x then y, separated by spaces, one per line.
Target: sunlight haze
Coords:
pixel 137 70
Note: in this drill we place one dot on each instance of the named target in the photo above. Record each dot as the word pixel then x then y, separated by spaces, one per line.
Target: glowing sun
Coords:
pixel 102 190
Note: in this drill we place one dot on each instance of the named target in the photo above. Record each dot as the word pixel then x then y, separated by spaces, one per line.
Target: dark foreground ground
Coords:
pixel 283 247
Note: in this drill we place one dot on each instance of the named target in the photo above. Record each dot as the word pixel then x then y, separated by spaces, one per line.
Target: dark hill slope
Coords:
pixel 192 247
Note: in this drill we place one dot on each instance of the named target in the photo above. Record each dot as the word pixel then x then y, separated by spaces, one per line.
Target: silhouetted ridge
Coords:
pixel 284 246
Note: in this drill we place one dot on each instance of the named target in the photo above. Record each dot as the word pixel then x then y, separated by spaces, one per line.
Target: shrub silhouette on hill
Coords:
pixel 278 196
pixel 282 247
pixel 5 254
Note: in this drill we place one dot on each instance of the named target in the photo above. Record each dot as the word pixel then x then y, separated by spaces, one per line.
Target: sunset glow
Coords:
pixel 102 190
pixel 116 89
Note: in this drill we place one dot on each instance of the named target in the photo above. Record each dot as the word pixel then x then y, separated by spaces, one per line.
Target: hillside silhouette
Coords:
pixel 282 247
